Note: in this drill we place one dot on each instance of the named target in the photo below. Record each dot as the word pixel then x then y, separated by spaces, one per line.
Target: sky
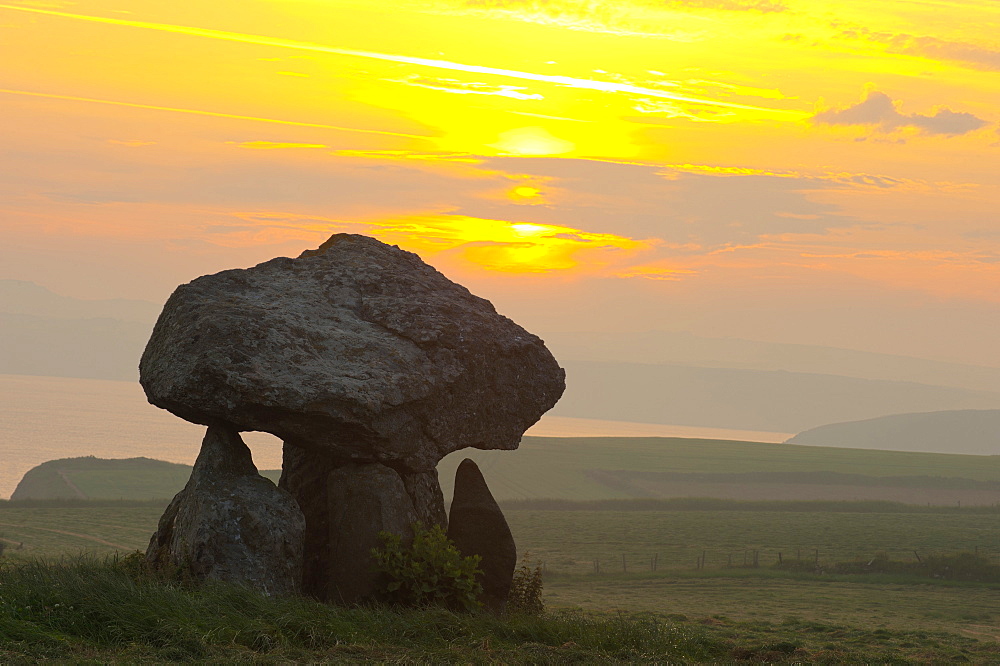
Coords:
pixel 777 170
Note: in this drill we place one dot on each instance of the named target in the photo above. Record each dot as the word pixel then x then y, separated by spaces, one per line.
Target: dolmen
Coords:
pixel 370 366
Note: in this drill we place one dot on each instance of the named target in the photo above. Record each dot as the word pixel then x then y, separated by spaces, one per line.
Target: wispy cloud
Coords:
pixel 974 55
pixel 457 87
pixel 214 114
pixel 566 81
pixel 879 110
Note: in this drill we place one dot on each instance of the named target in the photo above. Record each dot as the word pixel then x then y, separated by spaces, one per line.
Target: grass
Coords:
pixel 775 597
pixel 111 610
pixel 56 528
pixel 570 541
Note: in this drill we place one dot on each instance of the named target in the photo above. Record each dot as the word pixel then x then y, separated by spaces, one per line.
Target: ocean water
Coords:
pixel 45 418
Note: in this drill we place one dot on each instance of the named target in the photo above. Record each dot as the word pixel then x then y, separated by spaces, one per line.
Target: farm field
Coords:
pixel 568 542
pixel 757 597
pixel 571 541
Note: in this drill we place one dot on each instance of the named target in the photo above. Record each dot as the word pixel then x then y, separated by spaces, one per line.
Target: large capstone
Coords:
pixel 229 523
pixel 357 349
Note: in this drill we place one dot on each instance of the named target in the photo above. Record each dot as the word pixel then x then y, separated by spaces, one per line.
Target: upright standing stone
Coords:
pixel 428 500
pixel 477 526
pixel 230 523
pixel 364 501
pixel 304 475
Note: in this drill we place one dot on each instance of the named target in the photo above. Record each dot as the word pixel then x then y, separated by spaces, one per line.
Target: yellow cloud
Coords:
pixel 486 244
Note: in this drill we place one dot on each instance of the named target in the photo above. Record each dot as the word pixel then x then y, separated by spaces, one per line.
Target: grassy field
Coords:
pixel 79 610
pixel 569 542
pixel 722 613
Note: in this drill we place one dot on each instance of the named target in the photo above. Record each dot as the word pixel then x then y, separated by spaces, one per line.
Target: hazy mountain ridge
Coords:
pixel 964 431
pixel 683 348
pixel 776 400
pixel 654 377
pixel 29 298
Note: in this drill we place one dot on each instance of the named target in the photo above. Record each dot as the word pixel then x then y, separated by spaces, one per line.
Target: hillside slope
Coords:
pixel 99 478
pixel 594 468
pixel 970 431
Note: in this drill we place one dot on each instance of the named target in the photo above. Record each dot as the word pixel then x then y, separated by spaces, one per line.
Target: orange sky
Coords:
pixel 798 171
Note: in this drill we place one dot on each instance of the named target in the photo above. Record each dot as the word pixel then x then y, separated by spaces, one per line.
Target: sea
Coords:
pixel 47 418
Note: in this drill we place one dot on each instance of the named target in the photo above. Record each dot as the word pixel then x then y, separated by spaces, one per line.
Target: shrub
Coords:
pixel 526 589
pixel 430 571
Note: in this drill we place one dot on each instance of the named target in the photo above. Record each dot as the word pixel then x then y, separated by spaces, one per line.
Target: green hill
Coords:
pixel 586 468
pixel 100 478
pixel 975 431
pixel 597 468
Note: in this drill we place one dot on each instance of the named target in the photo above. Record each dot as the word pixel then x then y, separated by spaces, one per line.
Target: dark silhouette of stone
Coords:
pixel 357 348
pixel 477 527
pixel 364 500
pixel 230 523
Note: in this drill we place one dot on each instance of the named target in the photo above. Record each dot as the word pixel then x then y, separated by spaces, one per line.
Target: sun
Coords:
pixel 532 141
pixel 522 229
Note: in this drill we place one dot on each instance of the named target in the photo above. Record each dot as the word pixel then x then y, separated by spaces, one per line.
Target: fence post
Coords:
pixel 624 570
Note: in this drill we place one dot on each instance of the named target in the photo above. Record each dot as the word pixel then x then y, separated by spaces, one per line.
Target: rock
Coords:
pixel 364 500
pixel 477 527
pixel 229 523
pixel 428 500
pixel 358 349
pixel 304 474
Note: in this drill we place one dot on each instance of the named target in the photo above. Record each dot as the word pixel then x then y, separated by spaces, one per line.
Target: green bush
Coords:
pixel 430 571
pixel 526 589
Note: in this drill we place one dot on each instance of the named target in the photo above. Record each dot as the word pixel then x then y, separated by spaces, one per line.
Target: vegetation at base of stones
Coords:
pixel 952 566
pixel 526 589
pixel 428 572
pixel 109 611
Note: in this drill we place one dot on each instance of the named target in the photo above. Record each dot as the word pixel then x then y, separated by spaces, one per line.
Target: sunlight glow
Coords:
pixel 532 141
pixel 509 247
